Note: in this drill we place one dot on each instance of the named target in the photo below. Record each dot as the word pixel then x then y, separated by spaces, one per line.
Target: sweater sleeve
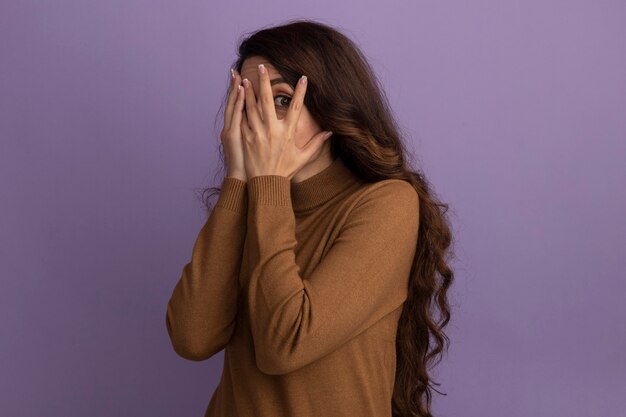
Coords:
pixel 201 312
pixel 297 320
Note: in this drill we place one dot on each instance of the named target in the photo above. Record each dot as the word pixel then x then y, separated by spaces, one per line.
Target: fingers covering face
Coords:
pixel 238 108
pixel 295 107
pixel 265 103
pixel 266 97
pixel 232 98
pixel 252 111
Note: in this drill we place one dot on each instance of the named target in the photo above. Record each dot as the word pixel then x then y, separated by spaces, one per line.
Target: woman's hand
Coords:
pixel 231 132
pixel 268 143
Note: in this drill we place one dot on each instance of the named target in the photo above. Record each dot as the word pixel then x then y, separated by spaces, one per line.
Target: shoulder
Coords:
pixel 390 204
pixel 390 194
pixel 383 213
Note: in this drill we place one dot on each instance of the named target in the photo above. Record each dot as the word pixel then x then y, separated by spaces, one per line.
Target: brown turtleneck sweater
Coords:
pixel 303 285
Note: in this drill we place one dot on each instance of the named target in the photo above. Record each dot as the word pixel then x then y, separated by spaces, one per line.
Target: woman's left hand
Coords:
pixel 268 143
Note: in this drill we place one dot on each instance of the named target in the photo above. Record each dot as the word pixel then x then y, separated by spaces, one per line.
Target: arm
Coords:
pixel 201 312
pixel 296 320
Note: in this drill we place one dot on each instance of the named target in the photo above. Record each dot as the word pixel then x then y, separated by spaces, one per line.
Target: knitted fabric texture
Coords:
pixel 302 285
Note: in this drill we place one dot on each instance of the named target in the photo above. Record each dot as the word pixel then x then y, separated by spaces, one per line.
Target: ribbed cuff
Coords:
pixel 233 195
pixel 269 190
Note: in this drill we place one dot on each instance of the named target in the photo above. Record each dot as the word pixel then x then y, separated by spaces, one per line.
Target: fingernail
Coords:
pixel 245 82
pixel 303 79
pixel 329 134
pixel 232 73
pixel 262 68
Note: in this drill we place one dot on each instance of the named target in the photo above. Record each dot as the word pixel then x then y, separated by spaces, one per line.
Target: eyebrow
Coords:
pixel 278 80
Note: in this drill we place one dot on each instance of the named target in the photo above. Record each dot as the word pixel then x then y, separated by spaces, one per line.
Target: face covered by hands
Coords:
pixel 273 145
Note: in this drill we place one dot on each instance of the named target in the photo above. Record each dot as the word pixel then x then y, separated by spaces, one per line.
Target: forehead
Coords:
pixel 249 68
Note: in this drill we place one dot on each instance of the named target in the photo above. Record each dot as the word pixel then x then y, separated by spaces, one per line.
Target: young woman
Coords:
pixel 318 267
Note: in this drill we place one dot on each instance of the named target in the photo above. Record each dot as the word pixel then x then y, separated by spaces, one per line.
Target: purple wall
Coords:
pixel 517 111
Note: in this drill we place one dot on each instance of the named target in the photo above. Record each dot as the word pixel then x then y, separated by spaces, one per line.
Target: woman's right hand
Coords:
pixel 231 132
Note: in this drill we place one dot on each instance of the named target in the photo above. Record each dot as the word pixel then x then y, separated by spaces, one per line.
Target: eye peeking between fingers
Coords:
pixel 279 101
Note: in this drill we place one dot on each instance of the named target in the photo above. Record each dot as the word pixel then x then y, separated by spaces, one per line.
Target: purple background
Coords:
pixel 516 110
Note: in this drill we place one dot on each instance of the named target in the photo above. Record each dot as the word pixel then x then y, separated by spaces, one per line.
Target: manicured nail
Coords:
pixel 303 79
pixel 246 83
pixel 262 68
pixel 232 73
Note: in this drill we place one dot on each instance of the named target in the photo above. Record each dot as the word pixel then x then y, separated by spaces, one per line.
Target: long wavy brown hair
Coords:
pixel 345 97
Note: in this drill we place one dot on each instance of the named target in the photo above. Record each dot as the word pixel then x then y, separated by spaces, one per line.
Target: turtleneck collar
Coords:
pixel 321 187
